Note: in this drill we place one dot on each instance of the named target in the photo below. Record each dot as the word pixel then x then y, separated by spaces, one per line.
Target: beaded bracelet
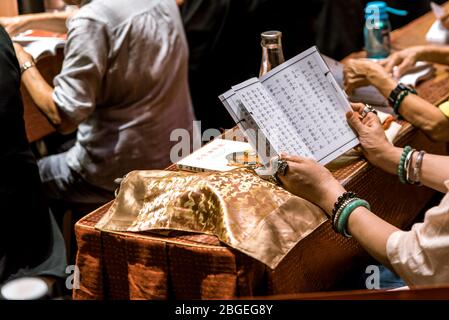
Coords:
pixel 401 168
pixel 401 97
pixel 346 212
pixel 337 214
pixel 341 199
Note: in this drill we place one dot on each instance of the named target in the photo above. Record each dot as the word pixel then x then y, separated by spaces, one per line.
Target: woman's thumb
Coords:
pixel 354 121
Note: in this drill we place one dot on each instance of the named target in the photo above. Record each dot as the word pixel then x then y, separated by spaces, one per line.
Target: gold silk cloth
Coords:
pixel 244 211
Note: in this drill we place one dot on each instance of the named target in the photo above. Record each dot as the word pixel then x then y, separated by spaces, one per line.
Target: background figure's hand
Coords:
pixel 399 62
pixel 363 72
pixel 14 25
pixel 370 133
pixel 311 181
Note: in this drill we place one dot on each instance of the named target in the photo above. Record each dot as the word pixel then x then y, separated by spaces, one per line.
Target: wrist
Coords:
pixel 388 158
pixel 330 197
pixel 24 57
pixel 423 53
pixel 385 85
pixel 27 65
pixel 26 22
pixel 359 214
pixel 33 21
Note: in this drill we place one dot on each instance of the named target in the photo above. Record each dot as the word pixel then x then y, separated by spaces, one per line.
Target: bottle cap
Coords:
pixel 381 10
pixel 25 289
pixel 270 35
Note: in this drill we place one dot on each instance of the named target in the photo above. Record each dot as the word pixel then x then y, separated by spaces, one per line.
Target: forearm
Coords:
pixel 434 169
pixel 372 233
pixel 42 94
pixel 435 54
pixel 426 117
pixel 54 22
pixel 417 111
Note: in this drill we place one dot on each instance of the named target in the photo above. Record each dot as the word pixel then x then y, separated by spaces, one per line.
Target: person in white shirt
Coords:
pixel 123 86
pixel 419 256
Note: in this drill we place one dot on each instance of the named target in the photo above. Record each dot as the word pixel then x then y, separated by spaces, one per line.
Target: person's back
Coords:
pixel 124 81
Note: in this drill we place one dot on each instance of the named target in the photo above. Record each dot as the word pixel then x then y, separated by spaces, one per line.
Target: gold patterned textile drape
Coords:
pixel 245 212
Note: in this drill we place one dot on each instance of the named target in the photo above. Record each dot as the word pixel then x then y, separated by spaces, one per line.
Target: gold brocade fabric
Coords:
pixel 245 212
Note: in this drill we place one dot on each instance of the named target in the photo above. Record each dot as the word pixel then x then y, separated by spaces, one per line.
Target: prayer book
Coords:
pixel 296 108
pixel 437 33
pixel 219 155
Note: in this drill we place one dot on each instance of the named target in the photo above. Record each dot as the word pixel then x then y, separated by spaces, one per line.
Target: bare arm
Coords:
pixel 414 109
pixel 54 22
pixel 313 182
pixel 434 170
pixel 436 54
pixel 42 94
pixel 419 112
pixel 407 58
pixel 372 233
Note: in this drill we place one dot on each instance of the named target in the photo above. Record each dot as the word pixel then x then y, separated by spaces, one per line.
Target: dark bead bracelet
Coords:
pixel 345 196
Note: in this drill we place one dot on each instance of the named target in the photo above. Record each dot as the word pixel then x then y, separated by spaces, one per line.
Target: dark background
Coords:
pixel 224 39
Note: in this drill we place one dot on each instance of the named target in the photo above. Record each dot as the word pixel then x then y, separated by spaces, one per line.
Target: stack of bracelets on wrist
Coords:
pixel 343 208
pixel 407 172
pixel 398 95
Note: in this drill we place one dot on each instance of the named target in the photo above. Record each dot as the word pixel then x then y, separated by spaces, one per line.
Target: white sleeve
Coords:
pixel 421 256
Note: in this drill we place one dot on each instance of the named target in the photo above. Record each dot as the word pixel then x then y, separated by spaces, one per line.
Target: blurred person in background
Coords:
pixel 123 87
pixel 432 120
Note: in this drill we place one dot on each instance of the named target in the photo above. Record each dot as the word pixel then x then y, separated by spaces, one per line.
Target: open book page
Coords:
pixel 272 121
pixel 247 124
pixel 39 44
pixel 237 110
pixel 315 106
pixel 42 48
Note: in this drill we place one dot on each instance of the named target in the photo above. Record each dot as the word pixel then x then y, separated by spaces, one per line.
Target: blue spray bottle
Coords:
pixel 377 29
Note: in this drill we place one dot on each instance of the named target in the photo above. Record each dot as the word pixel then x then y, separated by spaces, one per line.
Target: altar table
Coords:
pixel 122 265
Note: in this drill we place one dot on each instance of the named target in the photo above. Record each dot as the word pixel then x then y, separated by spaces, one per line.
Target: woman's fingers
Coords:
pixel 293 168
pixel 355 122
pixel 357 107
pixel 383 62
pixel 402 68
pixel 291 158
pixel 370 119
pixel 391 62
